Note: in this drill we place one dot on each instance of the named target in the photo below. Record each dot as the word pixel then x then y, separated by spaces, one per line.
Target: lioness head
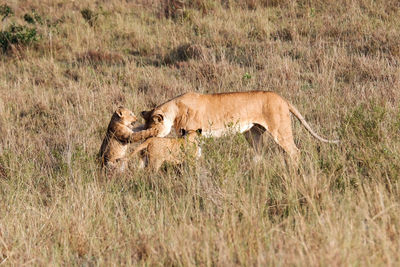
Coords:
pixel 156 119
pixel 125 116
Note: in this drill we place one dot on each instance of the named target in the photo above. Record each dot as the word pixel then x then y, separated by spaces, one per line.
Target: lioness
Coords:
pixel 252 112
pixel 173 150
pixel 119 134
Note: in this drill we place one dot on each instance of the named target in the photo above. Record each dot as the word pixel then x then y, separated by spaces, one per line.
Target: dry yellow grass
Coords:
pixel 337 61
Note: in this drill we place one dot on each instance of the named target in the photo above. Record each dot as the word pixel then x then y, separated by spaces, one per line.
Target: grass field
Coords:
pixel 66 65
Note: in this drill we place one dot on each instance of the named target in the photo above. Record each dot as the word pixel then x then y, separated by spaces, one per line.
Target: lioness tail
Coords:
pixel 296 113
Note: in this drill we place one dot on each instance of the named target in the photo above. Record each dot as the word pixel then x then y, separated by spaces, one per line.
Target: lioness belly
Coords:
pixel 228 129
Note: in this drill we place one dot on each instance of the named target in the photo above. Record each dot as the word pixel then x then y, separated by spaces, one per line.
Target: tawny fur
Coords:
pixel 157 150
pixel 251 112
pixel 119 134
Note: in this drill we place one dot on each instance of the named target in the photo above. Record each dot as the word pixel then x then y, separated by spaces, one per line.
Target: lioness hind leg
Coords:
pixel 280 128
pixel 284 138
pixel 142 163
pixel 291 149
pixel 254 137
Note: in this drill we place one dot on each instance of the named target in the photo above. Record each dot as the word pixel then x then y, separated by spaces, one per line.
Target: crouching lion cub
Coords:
pixel 173 150
pixel 120 133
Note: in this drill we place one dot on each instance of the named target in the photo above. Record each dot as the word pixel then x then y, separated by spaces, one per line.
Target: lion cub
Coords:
pixel 118 136
pixel 173 150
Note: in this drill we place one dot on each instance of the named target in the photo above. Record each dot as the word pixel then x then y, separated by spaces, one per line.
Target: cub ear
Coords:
pixel 158 118
pixel 199 131
pixel 145 114
pixel 119 111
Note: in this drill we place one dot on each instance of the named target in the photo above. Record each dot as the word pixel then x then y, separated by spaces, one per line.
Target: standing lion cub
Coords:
pixel 173 150
pixel 119 134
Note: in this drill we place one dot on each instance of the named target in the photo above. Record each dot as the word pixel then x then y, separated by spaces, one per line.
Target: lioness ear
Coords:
pixel 119 111
pixel 158 118
pixel 145 114
pixel 199 131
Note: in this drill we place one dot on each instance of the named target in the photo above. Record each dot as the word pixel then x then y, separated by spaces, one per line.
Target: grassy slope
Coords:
pixel 337 61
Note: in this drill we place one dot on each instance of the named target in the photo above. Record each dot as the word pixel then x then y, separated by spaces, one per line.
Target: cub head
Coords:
pixel 191 134
pixel 156 119
pixel 125 116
